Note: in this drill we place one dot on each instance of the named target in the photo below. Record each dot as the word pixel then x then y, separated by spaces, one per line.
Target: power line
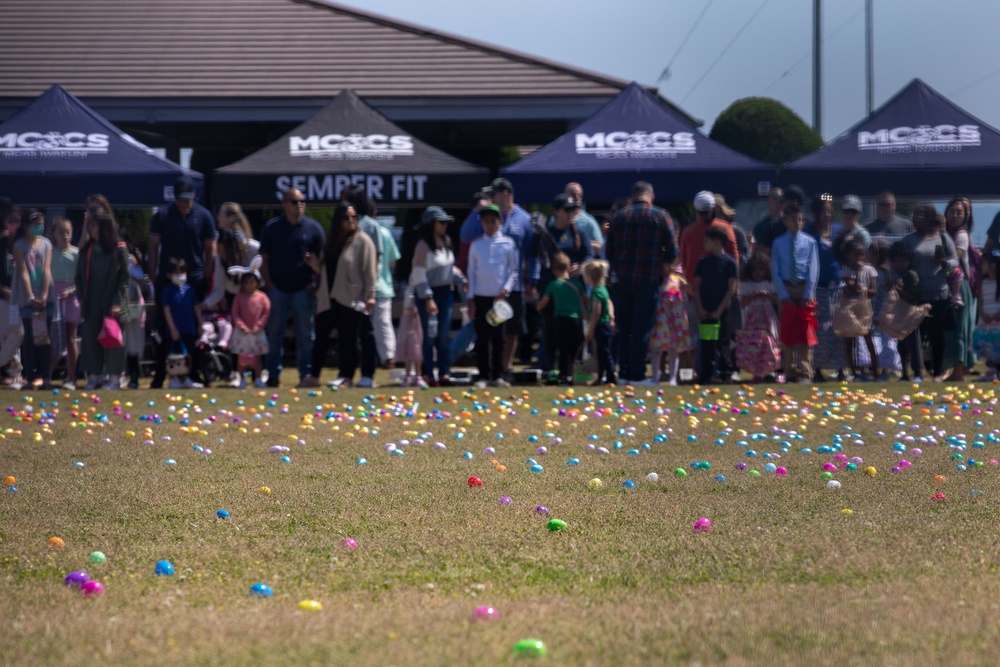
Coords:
pixel 725 50
pixel 666 70
pixel 801 60
pixel 975 83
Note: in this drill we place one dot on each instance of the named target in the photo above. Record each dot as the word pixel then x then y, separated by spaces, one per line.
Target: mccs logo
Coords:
pixel 350 147
pixel 920 139
pixel 68 144
pixel 637 144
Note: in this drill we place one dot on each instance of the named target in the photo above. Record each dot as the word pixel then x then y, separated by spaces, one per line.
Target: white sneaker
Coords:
pixel 500 382
pixel 191 384
pixel 260 383
pixel 69 385
pixel 175 383
pixel 481 384
pixel 422 383
pixel 17 384
pixel 366 383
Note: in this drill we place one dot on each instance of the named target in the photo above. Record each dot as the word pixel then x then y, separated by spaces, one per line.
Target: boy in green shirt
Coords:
pixel 569 306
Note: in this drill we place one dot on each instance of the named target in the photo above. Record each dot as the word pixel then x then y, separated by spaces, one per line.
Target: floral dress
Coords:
pixel 757 350
pixel 671 332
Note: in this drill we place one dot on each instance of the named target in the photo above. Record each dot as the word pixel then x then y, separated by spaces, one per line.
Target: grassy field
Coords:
pixel 876 572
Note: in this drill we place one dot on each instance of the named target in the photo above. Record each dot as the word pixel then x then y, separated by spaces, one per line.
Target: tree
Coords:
pixel 765 129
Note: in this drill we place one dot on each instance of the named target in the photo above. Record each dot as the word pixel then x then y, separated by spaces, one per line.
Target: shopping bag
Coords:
pixel 111 334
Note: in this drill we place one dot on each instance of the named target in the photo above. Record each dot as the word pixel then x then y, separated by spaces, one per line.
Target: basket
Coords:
pixel 709 330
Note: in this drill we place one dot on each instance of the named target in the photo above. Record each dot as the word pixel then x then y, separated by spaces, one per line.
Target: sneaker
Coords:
pixel 69 385
pixel 918 379
pixel 862 377
pixel 500 382
pixel 133 383
pixel 260 383
pixel 366 383
pixel 17 383
pixel 422 383
pixel 273 382
pixel 238 381
pixel 308 382
pixel 113 384
pixel 481 384
pixel 242 383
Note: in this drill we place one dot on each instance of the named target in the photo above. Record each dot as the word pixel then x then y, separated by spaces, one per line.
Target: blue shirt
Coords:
pixel 183 236
pixel 806 264
pixel 285 244
pixel 181 301
pixel 829 267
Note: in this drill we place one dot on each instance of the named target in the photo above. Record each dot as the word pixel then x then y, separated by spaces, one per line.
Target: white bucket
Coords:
pixel 499 313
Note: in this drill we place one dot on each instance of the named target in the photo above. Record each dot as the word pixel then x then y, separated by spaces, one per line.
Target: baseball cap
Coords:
pixel 184 188
pixel 851 203
pixel 565 201
pixel 492 208
pixel 501 184
pixel 432 213
pixel 704 201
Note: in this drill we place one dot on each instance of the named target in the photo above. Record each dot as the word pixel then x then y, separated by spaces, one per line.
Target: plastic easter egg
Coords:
pixel 286 459
pixel 770 467
pixel 939 497
pixel 261 590
pixel 595 484
pixel 349 543
pixel 537 468
pixel 541 451
pixel 97 558
pixel 76 579
pixel 720 478
pixel 703 525
pixel 628 484
pixel 833 484
pixel 754 473
pixel 266 490
pixel 573 462
pixel 170 462
pixel 555 524
pixel 652 477
pixel 9 480
pixel 506 500
pixel 362 461
pixel 92 589
pixel 467 455
pixel 485 613
pixel 940 479
pixel 164 568
pixel 474 481
pixel 781 471
pixel 56 543
pixel 310 605
pixel 542 509
pixel 680 472
pixel 530 647
pixel 79 464
pixel 847 512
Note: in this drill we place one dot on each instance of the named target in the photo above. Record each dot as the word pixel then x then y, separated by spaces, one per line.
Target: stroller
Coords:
pixel 213 360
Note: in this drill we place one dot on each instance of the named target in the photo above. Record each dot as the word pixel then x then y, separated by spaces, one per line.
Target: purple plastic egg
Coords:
pixel 506 500
pixel 76 579
pixel 542 509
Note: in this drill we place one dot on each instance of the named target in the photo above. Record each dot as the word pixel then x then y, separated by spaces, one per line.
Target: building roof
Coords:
pixel 258 48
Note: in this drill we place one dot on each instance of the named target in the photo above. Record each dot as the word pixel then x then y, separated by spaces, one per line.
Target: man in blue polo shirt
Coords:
pixel 184 229
pixel 285 245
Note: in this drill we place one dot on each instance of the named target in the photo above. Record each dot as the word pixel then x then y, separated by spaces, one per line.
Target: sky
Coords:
pixel 744 48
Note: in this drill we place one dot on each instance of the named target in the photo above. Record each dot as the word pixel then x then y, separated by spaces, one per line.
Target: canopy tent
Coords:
pixel 636 137
pixel 350 143
pixel 58 151
pixel 918 144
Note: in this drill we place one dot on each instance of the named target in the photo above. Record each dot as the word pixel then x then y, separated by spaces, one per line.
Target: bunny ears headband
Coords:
pixel 254 268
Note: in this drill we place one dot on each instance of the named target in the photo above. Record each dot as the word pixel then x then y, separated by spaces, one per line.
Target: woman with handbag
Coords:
pixel 102 276
pixel 934 260
pixel 32 293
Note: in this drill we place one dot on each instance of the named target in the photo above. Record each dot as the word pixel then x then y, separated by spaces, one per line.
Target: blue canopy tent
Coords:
pixel 58 151
pixel 916 144
pixel 636 137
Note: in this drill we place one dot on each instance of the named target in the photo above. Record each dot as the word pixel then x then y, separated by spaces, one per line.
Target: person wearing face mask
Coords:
pixel 32 294
pixel 179 310
pixel 102 277
pixel 10 333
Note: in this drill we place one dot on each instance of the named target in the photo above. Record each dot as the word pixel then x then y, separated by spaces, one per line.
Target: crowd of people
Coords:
pixel 797 299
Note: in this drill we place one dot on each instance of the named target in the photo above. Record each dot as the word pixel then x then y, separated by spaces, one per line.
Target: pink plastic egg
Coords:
pixel 703 525
pixel 92 588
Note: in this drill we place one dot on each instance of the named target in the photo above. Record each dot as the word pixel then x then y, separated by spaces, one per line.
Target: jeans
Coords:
pixel 602 350
pixel 444 299
pixel 301 306
pixel 635 314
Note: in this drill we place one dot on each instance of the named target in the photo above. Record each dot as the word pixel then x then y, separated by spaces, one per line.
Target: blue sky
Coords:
pixel 953 46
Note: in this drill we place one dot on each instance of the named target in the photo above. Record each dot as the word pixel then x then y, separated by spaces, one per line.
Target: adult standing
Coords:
pixel 770 226
pixel 886 222
pixel 850 213
pixel 934 258
pixel 186 230
pixel 345 295
pixel 640 248
pixel 11 329
pixel 357 197
pixel 515 223
pixel 829 352
pixel 287 247
pixel 958 353
pixel 231 217
pixel 102 277
pixel 432 277
pixel 727 214
pixel 585 222
pixel 32 295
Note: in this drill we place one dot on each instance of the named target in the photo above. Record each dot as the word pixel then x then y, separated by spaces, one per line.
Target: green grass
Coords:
pixel 785 576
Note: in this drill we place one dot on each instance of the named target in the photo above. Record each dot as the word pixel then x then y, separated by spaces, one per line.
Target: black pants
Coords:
pixel 162 348
pixel 715 353
pixel 568 338
pixel 351 326
pixel 489 341
pixel 912 350
pixel 36 359
pixel 934 326
pixel 602 350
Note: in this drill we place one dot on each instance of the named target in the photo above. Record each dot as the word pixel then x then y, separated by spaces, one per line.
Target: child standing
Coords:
pixel 757 343
pixel 795 273
pixel 601 325
pixel 715 286
pixel 569 305
pixel 409 342
pixel 986 336
pixel 32 291
pixel 671 332
pixel 251 311
pixel 135 327
pixel 492 274
pixel 179 301
pixel 64 259
pixel 859 282
pixel 906 282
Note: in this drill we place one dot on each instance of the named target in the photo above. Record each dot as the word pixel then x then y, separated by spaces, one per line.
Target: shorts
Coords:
pixel 515 326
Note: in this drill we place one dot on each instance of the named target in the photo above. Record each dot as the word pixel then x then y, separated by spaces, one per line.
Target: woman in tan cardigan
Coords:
pixel 345 295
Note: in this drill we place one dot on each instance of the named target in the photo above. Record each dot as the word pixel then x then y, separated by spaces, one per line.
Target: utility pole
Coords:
pixel 869 57
pixel 818 66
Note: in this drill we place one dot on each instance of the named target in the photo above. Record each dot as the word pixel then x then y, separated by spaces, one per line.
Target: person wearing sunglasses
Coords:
pixel 886 222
